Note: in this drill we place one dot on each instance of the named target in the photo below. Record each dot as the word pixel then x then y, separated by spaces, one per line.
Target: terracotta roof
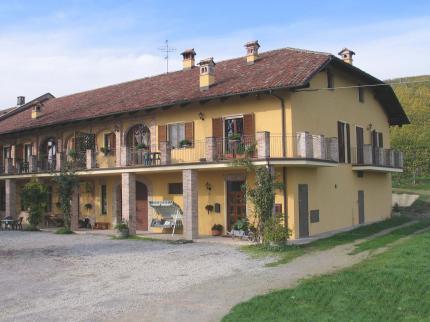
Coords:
pixel 282 68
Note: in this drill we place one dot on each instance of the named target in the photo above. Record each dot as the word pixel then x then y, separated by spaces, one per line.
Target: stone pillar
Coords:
pixel 8 165
pixel 190 195
pixel 74 217
pixel 58 161
pixel 90 159
pixel 166 153
pixel 128 181
pixel 32 164
pixel 304 145
pixel 123 156
pixel 10 187
pixel 319 147
pixel 118 148
pixel 210 149
pixel 263 144
pixel 332 149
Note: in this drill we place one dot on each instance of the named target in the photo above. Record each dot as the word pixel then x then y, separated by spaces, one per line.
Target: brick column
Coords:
pixel 58 161
pixel 10 187
pixel 319 147
pixel 166 153
pixel 118 148
pixel 210 149
pixel 263 144
pixel 304 145
pixel 123 156
pixel 74 218
pixel 128 181
pixel 90 159
pixel 190 195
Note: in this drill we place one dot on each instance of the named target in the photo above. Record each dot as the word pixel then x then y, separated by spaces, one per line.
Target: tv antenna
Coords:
pixel 166 49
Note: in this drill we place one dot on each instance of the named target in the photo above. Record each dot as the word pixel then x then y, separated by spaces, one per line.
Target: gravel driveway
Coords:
pixel 48 277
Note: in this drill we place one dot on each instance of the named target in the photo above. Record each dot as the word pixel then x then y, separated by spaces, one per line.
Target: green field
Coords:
pixel 392 286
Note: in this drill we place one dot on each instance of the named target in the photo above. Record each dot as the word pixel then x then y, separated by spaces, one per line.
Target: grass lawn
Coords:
pixel 285 254
pixel 391 237
pixel 393 286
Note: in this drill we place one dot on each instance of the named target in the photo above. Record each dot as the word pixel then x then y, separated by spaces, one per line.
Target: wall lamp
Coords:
pixel 201 116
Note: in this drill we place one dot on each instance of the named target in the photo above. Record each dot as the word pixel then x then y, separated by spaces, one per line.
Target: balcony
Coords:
pixel 300 149
pixel 371 158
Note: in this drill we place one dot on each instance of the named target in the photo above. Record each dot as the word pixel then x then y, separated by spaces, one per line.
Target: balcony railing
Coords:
pixel 375 156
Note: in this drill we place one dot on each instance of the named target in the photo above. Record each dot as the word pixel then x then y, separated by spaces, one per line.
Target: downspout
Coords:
pixel 284 154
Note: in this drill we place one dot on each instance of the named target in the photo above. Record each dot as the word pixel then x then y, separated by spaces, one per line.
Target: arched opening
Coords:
pixel 141 206
pixel 138 141
pixel 48 154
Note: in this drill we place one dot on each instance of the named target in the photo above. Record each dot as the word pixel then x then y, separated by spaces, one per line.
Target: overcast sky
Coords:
pixel 64 47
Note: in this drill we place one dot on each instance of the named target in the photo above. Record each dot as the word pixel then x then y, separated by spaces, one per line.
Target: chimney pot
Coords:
pixel 346 55
pixel 252 51
pixel 188 60
pixel 207 73
pixel 20 100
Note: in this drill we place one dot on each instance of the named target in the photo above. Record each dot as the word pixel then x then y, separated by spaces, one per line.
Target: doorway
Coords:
pixel 360 206
pixel 236 202
pixel 141 206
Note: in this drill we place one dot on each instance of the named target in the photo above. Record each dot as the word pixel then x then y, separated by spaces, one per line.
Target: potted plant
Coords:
pixel 209 208
pixel 235 137
pixel 141 146
pixel 105 150
pixel 122 229
pixel 185 143
pixel 217 229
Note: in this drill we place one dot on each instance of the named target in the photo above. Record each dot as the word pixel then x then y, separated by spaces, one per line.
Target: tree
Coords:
pixel 34 197
pixel 67 183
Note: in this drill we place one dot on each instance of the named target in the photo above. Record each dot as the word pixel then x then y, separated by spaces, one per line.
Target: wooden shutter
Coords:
pixel 249 127
pixel 341 142
pixel 189 132
pixel 217 128
pixel 348 143
pixel 1 155
pixel 380 140
pixel 19 153
pixel 113 141
pixel 162 133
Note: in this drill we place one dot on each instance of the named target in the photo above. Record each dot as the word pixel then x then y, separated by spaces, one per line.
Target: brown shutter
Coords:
pixel 348 143
pixel 341 137
pixel 113 142
pixel 189 132
pixel 1 155
pixel 19 153
pixel 162 133
pixel 217 128
pixel 380 140
pixel 249 127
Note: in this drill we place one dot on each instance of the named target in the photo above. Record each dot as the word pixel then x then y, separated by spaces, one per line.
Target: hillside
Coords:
pixel 413 139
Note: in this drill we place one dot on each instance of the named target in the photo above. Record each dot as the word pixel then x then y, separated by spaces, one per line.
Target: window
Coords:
pixel 233 126
pixel 330 79
pixel 175 188
pixel 104 199
pixel 176 134
pixel 344 142
pixel 109 143
pixel 27 152
pixel 360 94
pixel 2 198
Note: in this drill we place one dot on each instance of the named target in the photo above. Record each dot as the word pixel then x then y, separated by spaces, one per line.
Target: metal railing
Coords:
pixel 375 156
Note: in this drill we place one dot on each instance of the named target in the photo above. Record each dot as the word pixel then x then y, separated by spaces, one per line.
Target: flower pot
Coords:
pixel 216 232
pixel 123 233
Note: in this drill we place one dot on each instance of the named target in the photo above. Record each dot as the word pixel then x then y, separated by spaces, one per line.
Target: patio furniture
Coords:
pixel 241 234
pixel 9 223
pixel 18 223
pixel 170 213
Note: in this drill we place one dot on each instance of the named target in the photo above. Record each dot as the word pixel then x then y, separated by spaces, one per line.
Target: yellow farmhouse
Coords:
pixel 165 145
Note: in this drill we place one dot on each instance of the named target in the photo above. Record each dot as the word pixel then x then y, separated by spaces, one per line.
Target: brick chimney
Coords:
pixel 188 61
pixel 252 51
pixel 346 55
pixel 207 73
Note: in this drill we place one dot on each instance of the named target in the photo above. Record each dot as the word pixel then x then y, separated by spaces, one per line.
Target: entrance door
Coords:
pixel 236 203
pixel 303 211
pixel 361 207
pixel 141 206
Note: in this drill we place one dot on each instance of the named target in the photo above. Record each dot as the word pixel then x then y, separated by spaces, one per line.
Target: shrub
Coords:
pixel 241 224
pixel 34 197
pixel 184 143
pixel 274 232
pixel 121 225
pixel 64 231
pixel 218 227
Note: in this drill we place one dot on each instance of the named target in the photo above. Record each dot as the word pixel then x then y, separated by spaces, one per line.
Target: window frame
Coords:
pixel 360 93
pixel 177 185
pixel 103 200
pixel 176 145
